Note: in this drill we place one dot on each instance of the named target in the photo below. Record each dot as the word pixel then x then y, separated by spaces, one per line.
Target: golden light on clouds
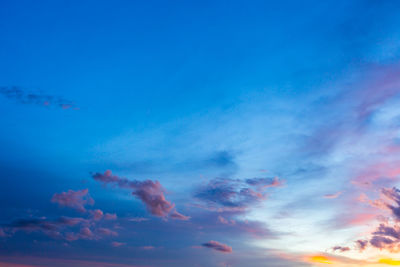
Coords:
pixel 390 262
pixel 321 259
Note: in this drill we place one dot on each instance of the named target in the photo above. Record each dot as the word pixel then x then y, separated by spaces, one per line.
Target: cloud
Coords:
pixel 138 219
pixel 234 195
pixel 110 216
pixel 387 234
pixel 178 216
pixel 97 214
pixel 117 244
pixel 86 233
pixel 151 193
pixel 74 199
pixel 394 195
pixel 221 159
pixel 218 246
pixel 106 232
pixel 361 244
pixel 52 228
pixel 381 242
pixel 332 196
pixel 22 96
pixel 264 182
pixel 340 249
pixel 2 233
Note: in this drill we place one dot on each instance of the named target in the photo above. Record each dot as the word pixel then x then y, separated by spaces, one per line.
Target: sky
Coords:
pixel 199 133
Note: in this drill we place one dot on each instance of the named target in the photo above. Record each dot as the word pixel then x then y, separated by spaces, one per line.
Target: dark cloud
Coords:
pixel 234 195
pixel 151 193
pixel 218 246
pixel 22 96
pixel 394 195
pixel 340 249
pixel 52 228
pixel 387 234
pixel 362 244
pixel 221 159
pixel 264 182
pixel 73 199
pixel 381 242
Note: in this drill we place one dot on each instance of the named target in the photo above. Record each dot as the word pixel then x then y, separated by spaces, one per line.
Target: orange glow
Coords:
pixel 321 259
pixel 389 261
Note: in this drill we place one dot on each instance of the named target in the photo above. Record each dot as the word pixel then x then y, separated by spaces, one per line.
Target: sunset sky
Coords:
pixel 199 133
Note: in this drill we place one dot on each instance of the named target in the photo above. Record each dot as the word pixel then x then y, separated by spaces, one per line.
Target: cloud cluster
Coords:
pixel 151 193
pixel 66 228
pixel 73 199
pixel 387 234
pixel 21 96
pixel 234 195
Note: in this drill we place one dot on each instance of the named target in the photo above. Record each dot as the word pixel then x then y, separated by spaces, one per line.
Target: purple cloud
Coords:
pixel 362 244
pixel 218 246
pixel 340 249
pixel 2 233
pixel 52 228
pixel 151 193
pixel 74 199
pixel 394 195
pixel 381 242
pixel 106 232
pixel 97 214
pixel 234 195
pixel 264 182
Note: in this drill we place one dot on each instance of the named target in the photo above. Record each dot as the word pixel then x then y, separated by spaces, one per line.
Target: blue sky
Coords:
pixel 208 133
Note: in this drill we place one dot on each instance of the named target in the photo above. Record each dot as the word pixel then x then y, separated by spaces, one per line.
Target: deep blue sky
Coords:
pixel 236 132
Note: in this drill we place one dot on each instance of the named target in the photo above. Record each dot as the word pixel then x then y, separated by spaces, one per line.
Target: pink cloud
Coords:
pixel 97 214
pixel 73 199
pixel 106 232
pixel 84 233
pixel 361 219
pixel 151 193
pixel 117 244
pixel 178 216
